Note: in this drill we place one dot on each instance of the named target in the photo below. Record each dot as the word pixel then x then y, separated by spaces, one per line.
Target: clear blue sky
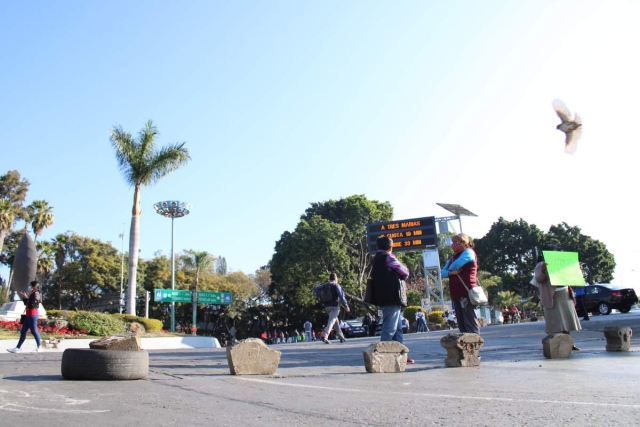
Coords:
pixel 287 103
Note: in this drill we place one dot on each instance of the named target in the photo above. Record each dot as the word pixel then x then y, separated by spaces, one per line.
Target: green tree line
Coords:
pixel 331 237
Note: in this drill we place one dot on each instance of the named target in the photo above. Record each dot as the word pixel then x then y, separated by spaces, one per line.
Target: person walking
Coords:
pixel 421 322
pixel 308 327
pixel 373 323
pixel 332 306
pixel 389 289
pixel 32 302
pixel 461 270
pixel 578 291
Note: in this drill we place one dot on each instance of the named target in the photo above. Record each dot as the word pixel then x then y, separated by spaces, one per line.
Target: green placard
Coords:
pixel 168 295
pixel 216 298
pixel 564 268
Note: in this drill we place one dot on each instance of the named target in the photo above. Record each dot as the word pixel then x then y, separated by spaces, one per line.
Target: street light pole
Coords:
pixel 172 209
pixel 173 279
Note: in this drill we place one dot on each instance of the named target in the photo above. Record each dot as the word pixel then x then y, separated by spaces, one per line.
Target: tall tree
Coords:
pixel 142 165
pixel 354 212
pixel 592 253
pixel 13 191
pixel 198 261
pixel 60 256
pixel 46 256
pixel 221 265
pixel 41 216
pixel 508 251
pixel 305 258
pixel 91 270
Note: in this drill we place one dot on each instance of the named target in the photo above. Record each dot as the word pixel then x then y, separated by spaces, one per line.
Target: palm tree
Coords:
pixel 41 216
pixel 198 261
pixel 506 299
pixel 60 243
pixel 46 254
pixel 141 165
pixel 7 219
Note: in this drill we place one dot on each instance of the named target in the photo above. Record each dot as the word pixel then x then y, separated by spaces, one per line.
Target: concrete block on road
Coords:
pixel 385 357
pixel 252 357
pixel 117 342
pixel 463 350
pixel 618 338
pixel 557 346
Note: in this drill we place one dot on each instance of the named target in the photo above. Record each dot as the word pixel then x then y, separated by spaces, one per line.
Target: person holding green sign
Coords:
pixel 557 302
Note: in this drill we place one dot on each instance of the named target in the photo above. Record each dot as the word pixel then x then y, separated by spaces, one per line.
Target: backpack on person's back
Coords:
pixel 327 293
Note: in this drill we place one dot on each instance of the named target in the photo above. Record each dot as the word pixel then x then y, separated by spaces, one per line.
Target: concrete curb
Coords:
pixel 167 343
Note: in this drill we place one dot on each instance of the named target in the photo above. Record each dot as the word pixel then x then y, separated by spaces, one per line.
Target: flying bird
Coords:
pixel 571 125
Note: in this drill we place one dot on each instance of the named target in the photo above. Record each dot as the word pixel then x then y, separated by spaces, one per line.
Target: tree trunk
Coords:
pixel 3 234
pixel 134 244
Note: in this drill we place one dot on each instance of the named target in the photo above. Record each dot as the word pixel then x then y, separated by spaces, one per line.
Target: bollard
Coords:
pixel 385 357
pixel 618 338
pixel 557 346
pixel 463 350
pixel 252 357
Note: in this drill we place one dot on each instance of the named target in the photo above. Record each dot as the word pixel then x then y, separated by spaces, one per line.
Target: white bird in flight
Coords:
pixel 571 125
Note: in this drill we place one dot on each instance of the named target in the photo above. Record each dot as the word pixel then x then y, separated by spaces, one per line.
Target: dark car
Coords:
pixel 354 329
pixel 604 297
pixel 405 326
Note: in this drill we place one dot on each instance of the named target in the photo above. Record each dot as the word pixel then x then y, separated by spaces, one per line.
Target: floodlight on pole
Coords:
pixel 173 209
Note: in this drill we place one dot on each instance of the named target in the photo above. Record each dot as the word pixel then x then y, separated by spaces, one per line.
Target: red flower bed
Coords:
pixel 14 325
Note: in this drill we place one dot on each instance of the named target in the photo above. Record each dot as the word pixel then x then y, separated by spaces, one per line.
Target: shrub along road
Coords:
pixel 318 384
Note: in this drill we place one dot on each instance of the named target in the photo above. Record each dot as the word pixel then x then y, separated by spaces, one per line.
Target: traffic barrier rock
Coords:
pixel 117 342
pixel 557 346
pixel 385 357
pixel 252 357
pixel 618 338
pixel 463 350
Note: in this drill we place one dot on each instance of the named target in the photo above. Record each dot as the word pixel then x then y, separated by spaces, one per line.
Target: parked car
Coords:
pixel 354 329
pixel 405 326
pixel 604 297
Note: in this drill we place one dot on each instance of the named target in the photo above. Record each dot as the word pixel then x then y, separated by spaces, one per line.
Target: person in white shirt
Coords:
pixel 420 320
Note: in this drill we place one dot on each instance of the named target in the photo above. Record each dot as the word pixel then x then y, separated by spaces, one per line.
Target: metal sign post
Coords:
pixel 432 275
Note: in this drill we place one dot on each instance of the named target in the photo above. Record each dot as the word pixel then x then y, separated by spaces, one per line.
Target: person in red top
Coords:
pixel 461 270
pixel 32 303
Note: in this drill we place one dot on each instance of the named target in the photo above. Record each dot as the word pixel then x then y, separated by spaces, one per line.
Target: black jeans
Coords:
pixel 466 315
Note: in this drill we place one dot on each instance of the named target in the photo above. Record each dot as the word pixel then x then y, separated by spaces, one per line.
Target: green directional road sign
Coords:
pixel 215 298
pixel 168 295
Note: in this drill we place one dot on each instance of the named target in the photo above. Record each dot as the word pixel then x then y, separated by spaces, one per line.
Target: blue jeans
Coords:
pixel 391 323
pixel 307 335
pixel 30 322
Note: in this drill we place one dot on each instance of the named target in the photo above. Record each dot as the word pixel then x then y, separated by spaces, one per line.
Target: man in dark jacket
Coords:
pixel 390 291
pixel 333 307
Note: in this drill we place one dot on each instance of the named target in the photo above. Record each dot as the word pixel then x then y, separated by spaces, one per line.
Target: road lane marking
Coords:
pixel 445 396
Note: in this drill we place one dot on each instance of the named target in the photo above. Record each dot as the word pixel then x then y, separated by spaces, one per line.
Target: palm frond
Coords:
pixel 125 149
pixel 167 160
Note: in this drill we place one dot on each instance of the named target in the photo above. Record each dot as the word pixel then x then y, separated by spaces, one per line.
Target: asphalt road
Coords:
pixel 318 384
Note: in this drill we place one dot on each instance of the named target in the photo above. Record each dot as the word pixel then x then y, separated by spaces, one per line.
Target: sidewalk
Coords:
pixel 162 343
